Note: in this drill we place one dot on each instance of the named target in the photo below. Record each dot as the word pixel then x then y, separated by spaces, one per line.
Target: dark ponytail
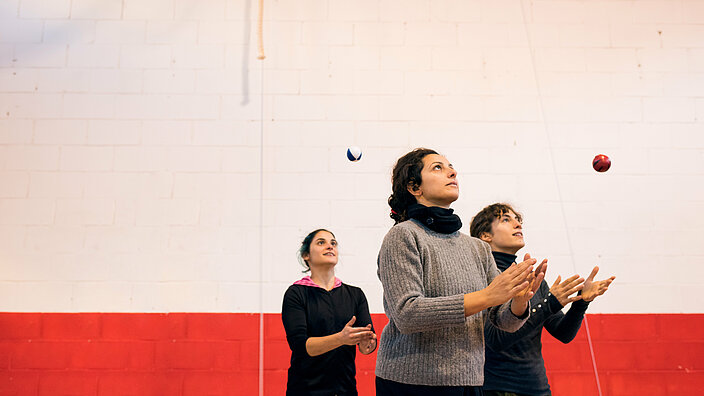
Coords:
pixel 406 172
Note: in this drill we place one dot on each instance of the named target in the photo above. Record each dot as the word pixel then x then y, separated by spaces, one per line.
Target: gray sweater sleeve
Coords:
pixel 501 316
pixel 401 274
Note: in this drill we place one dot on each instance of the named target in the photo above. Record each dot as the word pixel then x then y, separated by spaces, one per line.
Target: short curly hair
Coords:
pixel 483 220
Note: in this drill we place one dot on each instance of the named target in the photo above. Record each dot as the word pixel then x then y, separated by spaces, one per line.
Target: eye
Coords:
pixel 334 243
pixel 437 166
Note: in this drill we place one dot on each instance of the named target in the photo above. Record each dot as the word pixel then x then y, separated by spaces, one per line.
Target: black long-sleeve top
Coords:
pixel 310 311
pixel 514 361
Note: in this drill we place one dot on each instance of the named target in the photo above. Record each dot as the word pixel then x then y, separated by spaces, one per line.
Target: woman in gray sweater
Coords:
pixel 440 286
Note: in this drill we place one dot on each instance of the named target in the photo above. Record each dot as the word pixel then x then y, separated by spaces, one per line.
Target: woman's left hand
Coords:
pixel 592 289
pixel 369 345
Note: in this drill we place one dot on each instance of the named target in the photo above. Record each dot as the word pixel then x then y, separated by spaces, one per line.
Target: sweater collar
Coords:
pixel 435 218
pixel 503 260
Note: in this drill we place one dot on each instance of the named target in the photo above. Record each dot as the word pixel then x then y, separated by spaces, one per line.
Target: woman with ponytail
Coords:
pixel 440 285
pixel 324 320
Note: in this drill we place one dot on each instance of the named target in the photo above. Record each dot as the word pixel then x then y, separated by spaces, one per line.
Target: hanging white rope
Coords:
pixel 557 183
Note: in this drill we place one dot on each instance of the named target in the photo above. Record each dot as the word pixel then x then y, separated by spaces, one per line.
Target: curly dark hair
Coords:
pixel 406 173
pixel 482 221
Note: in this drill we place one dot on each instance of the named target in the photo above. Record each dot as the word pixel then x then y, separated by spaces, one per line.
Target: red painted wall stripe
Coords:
pixel 188 354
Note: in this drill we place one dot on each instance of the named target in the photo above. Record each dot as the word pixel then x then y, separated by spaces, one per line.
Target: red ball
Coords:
pixel 601 163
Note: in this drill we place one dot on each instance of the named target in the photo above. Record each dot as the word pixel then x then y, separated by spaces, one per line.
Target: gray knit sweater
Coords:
pixel 425 275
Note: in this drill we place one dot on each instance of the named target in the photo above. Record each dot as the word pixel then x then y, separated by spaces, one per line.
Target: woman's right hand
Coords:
pixel 354 335
pixel 510 283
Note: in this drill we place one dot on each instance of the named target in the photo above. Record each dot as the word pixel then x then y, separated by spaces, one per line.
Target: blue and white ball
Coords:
pixel 354 153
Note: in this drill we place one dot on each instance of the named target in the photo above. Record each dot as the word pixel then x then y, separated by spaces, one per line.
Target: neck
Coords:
pixel 323 277
pixel 495 248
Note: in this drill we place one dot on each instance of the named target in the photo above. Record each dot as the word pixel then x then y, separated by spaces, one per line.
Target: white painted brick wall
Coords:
pixel 133 168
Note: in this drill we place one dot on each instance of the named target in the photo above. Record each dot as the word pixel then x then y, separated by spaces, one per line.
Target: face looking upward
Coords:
pixel 323 250
pixel 438 182
pixel 506 234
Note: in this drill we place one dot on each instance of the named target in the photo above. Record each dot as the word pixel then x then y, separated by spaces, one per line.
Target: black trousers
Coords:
pixel 386 387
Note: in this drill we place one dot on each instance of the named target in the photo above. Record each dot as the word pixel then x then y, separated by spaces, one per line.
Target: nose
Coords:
pixel 452 174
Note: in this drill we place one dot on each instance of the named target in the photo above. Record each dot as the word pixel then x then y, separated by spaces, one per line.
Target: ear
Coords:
pixel 486 237
pixel 414 189
pixel 305 256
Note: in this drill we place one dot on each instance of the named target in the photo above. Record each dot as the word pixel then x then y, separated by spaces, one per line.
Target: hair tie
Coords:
pixel 393 212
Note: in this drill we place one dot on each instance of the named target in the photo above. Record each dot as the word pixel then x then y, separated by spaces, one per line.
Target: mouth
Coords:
pixel 518 234
pixel 331 254
pixel 454 184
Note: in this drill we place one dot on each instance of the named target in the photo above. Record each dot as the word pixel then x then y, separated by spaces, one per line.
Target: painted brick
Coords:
pixel 221 32
pixel 327 33
pixel 120 32
pixel 9 9
pixel 198 355
pixel 45 9
pixel 77 383
pixel 26 211
pixel 372 34
pixel 34 354
pixel 158 9
pixel 193 9
pixel 145 56
pixel 140 383
pixel 21 31
pixel 222 326
pixel 19 383
pixel 59 326
pixel 658 12
pixel 77 158
pixel 462 11
pixel 220 383
pixel 68 32
pixel 16 131
pixel 275 382
pixel 14 184
pixel 144 326
pixel 86 9
pixel 634 383
pixel 40 55
pixel 287 10
pixel 565 384
pixel 93 56
pixel 169 32
pixel 20 326
pixel 404 11
pixel 171 82
pixel 678 327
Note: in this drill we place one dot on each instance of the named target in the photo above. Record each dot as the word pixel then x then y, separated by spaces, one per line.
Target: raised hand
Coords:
pixel 510 283
pixel 368 346
pixel 535 278
pixel 354 335
pixel 563 290
pixel 519 304
pixel 592 289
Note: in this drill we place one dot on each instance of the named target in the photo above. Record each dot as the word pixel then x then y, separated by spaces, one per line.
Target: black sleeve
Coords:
pixel 564 327
pixel 362 311
pixel 293 315
pixel 499 340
